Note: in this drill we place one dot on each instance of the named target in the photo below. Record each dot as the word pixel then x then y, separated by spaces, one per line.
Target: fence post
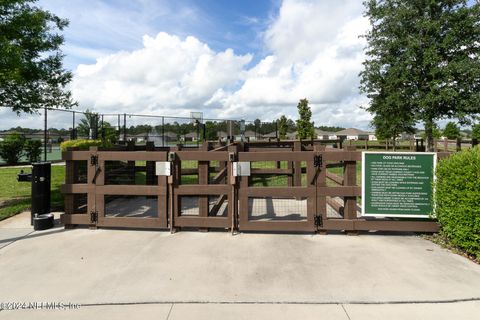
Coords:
pixel 290 178
pixel 321 181
pixel 350 179
pixel 445 144
pixel 45 137
pixel 203 180
pixel 297 166
pixel 150 165
pixel 233 196
pixel 91 187
pixel 459 144
pixel 125 127
pixel 474 142
pixel 70 175
pixel 131 164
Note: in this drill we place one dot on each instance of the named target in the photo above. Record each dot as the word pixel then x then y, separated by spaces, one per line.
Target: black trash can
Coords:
pixel 41 181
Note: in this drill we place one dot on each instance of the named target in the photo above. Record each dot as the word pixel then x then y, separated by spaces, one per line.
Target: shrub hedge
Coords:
pixel 83 144
pixel 33 150
pixel 11 148
pixel 457 195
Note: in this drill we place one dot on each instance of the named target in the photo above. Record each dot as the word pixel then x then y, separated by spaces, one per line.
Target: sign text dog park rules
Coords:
pixel 397 184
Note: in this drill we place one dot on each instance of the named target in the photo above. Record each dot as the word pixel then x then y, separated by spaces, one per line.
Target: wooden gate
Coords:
pixel 200 189
pixel 117 189
pixel 292 187
pixel 278 196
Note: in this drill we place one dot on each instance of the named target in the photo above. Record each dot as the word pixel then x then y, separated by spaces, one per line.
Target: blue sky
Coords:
pixel 228 59
pixel 221 24
pixel 241 59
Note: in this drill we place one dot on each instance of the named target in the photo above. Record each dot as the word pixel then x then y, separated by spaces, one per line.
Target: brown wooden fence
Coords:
pixel 292 187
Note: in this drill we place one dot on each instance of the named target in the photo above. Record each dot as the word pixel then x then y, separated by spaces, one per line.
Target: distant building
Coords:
pixel 271 135
pixel 250 135
pixel 292 135
pixel 355 134
pixel 191 136
pixel 325 135
pixel 141 137
pixel 222 135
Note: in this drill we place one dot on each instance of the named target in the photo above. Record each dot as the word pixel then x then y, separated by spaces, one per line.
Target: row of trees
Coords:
pixel 452 131
pixel 423 64
pixel 92 123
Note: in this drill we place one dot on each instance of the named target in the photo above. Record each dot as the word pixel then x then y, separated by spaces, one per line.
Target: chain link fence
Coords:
pixel 53 126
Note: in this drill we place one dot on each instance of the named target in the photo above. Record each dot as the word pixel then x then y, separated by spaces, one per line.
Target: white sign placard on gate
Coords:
pixel 163 168
pixel 241 169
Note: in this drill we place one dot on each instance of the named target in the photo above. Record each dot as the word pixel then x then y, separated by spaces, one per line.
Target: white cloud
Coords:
pixel 312 51
pixel 316 53
pixel 167 72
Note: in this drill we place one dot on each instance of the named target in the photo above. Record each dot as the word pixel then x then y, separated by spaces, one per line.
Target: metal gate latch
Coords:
pixel 93 160
pixel 97 172
pixel 93 216
pixel 318 221
pixel 317 161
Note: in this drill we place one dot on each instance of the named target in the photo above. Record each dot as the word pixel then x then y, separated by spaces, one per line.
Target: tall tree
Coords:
pixel 89 125
pixel 31 71
pixel 282 127
pixel 304 125
pixel 291 125
pixel 391 119
pixel 390 126
pixel 451 131
pixel 423 60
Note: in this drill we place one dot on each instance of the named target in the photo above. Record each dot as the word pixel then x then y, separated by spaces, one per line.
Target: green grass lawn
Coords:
pixel 15 196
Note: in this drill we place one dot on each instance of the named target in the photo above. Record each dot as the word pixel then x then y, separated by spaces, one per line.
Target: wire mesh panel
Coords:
pixel 217 205
pixel 188 205
pixel 77 172
pixel 274 208
pixel 335 207
pixel 128 173
pixel 279 195
pixel 131 206
pixel 76 203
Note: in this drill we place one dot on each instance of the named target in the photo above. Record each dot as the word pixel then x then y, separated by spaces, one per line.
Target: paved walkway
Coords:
pixel 120 274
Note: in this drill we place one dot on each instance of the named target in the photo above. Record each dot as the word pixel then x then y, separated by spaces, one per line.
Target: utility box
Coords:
pixel 41 181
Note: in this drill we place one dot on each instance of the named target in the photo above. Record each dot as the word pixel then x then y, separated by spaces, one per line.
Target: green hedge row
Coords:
pixel 457 196
pixel 83 144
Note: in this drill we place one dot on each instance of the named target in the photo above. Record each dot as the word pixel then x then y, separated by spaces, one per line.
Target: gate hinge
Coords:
pixel 93 160
pixel 93 216
pixel 318 221
pixel 317 161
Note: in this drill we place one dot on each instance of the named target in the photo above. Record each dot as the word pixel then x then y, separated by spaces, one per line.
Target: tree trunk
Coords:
pixel 394 143
pixel 429 134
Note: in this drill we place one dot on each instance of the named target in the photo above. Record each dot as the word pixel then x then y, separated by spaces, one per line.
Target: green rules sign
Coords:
pixel 396 184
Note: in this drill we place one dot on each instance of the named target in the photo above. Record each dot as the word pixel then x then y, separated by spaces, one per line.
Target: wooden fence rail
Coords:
pixel 293 187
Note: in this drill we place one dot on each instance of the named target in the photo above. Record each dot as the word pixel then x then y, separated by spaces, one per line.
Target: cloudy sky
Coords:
pixel 229 59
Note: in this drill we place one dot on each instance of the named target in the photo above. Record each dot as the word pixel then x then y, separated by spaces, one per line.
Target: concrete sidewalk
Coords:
pixel 152 274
